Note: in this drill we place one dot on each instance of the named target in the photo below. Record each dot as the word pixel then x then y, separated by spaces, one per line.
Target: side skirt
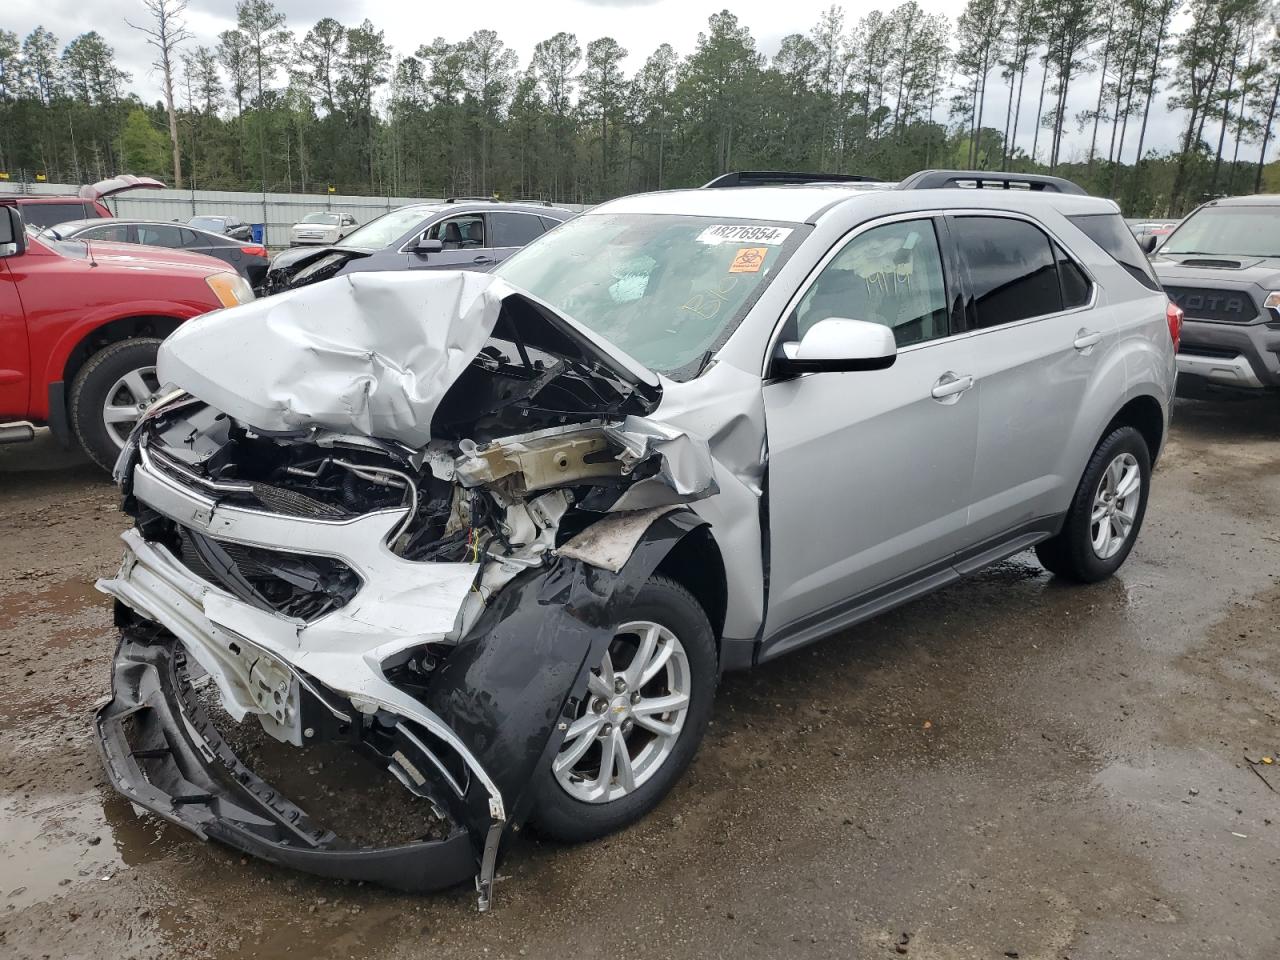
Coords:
pixel 854 610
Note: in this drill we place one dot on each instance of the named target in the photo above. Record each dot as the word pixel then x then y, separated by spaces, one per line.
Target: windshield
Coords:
pixel 208 223
pixel 387 229
pixel 1228 232
pixel 666 289
pixel 320 218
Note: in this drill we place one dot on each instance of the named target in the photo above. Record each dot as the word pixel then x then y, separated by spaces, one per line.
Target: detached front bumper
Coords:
pixel 163 754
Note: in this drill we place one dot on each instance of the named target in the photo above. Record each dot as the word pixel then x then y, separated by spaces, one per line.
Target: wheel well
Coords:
pixel 1144 415
pixel 126 328
pixel 695 563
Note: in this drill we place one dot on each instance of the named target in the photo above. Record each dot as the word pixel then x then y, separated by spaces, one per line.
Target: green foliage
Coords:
pixel 877 92
pixel 144 148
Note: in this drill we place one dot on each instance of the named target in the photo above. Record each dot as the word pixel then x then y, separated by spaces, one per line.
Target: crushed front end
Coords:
pixel 429 597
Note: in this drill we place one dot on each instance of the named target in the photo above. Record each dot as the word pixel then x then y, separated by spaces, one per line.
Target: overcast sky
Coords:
pixel 639 25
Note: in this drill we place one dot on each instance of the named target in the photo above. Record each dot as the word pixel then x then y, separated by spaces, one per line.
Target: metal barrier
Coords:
pixel 276 211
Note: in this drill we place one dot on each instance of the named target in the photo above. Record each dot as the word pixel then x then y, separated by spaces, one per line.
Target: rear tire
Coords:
pixel 117 373
pixel 575 803
pixel 1106 512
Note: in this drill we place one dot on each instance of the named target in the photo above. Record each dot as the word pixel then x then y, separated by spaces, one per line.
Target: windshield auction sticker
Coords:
pixel 748 260
pixel 744 233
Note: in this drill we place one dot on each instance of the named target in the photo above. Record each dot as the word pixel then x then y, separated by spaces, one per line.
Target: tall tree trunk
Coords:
pixel 1266 135
pixel 1146 112
pixel 1102 87
pixel 1044 79
pixel 1226 113
pixel 1017 109
pixel 173 119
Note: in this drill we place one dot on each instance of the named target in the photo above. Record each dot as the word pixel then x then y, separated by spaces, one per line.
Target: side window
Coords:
pixel 464 232
pixel 550 223
pixel 514 229
pixel 1109 232
pixel 1075 283
pixel 190 238
pixel 115 233
pixel 890 275
pixel 1012 269
pixel 159 236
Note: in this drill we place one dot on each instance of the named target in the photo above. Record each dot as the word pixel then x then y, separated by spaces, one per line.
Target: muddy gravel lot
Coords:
pixel 1013 767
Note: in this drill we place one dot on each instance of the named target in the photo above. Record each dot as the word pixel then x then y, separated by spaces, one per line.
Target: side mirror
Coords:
pixel 425 246
pixel 1148 243
pixel 13 235
pixel 837 345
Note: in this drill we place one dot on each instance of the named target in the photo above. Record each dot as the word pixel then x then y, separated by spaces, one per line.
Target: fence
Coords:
pixel 276 211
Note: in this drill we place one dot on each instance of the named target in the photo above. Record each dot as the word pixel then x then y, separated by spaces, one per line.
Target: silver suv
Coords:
pixel 503 532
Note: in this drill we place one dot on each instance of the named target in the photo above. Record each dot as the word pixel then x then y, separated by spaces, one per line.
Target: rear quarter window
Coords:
pixel 1113 235
pixel 50 214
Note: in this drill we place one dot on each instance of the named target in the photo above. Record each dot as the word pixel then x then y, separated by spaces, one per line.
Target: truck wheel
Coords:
pixel 110 393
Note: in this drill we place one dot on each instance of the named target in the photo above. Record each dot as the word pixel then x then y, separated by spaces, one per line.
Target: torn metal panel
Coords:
pixel 685 465
pixel 608 542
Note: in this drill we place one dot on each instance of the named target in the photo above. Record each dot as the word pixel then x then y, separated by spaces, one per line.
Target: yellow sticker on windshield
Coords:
pixel 748 260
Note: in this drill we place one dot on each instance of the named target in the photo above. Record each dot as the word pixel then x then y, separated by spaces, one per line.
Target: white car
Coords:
pixel 321 228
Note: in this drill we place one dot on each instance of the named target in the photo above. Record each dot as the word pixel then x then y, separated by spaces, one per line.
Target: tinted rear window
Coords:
pixel 1111 233
pixel 1012 269
pixel 49 214
pixel 514 229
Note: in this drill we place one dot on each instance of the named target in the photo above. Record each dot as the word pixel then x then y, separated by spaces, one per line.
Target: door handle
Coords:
pixel 948 387
pixel 1086 339
pixel 482 259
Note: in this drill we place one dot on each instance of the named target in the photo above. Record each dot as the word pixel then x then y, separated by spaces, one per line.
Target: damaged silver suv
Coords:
pixel 501 533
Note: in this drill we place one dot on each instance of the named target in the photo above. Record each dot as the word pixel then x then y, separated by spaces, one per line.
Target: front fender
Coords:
pixel 509 688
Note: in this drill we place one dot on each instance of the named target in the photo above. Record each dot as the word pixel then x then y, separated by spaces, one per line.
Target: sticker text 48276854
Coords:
pixel 744 233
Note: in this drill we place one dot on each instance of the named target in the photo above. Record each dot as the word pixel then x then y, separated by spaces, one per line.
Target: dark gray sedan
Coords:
pixel 458 234
pixel 250 260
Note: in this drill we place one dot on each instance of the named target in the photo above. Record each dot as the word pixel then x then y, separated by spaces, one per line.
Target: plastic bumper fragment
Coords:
pixel 163 754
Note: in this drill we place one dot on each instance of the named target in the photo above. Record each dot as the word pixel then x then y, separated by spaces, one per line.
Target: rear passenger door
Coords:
pixel 511 231
pixel 1035 346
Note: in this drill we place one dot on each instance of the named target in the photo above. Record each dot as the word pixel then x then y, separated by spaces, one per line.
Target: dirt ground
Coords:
pixel 1010 768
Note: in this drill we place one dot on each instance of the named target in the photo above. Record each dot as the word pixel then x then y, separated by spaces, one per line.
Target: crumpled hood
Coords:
pixel 368 353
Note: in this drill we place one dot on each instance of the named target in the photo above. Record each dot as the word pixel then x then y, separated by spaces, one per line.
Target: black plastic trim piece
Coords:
pixel 163 754
pixel 59 424
pixel 989 180
pixel 774 178
pixel 854 610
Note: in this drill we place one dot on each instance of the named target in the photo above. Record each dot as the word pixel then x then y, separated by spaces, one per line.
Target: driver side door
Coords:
pixel 870 472
pixel 465 245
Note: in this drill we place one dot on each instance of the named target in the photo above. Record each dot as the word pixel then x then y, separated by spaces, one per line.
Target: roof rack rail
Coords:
pixel 773 178
pixel 989 180
pixel 527 203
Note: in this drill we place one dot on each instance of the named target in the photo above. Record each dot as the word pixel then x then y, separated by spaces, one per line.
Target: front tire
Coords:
pixel 646 710
pixel 110 393
pixel 1106 512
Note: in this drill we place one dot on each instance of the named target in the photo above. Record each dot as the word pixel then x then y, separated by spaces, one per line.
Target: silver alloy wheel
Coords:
pixel 631 718
pixel 1115 505
pixel 126 400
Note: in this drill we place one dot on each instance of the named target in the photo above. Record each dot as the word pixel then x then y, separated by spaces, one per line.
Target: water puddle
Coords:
pixel 54 842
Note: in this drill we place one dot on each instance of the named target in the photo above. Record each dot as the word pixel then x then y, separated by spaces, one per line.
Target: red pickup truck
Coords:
pixel 80 322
